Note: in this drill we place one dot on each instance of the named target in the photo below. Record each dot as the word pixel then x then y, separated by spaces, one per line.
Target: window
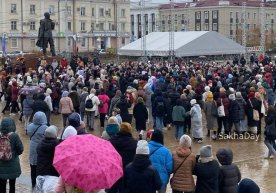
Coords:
pixel 215 27
pixel 13 25
pixel 69 26
pixel 248 15
pixel 69 42
pixel 93 12
pixel 123 13
pixel 123 41
pixel 206 14
pixel 101 26
pixel 14 43
pixel 206 27
pixel 109 12
pixel 83 41
pixel 92 26
pixel 198 15
pixel 32 43
pixel 215 14
pixel 101 12
pixel 255 14
pixel 82 26
pixel 123 27
pixel 237 15
pixel 52 9
pixel 109 26
pixel 254 26
pixel 82 11
pixel 13 8
pixel 32 25
pixel 248 26
pixel 198 27
pixel 69 11
pixel 32 9
pixel 231 15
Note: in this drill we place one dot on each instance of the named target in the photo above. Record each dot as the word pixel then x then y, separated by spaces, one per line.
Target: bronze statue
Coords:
pixel 45 34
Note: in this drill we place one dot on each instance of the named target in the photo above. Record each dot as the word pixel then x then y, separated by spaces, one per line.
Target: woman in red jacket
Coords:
pixel 64 64
pixel 103 107
pixel 14 93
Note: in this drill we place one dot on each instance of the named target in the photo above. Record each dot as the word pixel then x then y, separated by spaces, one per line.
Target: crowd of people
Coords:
pixel 216 99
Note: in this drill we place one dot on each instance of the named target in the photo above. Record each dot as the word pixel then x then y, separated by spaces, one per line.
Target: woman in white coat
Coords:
pixel 196 121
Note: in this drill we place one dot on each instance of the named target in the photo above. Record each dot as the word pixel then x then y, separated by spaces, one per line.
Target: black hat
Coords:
pixel 157 136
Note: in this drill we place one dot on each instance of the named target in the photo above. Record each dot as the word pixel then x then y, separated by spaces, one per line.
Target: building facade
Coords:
pixel 85 25
pixel 225 17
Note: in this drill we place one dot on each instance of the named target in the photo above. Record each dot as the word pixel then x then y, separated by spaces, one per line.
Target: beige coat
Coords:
pixel 182 179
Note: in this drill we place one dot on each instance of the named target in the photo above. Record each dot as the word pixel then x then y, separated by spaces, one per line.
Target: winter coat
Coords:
pixel 242 105
pixel 41 105
pixel 48 101
pixel 270 128
pixel 230 173
pixel 95 101
pixel 66 105
pixel 14 93
pixel 182 179
pixel 155 111
pixel 211 120
pixel 113 103
pixel 82 101
pixel 105 100
pixel 223 98
pixel 208 177
pixel 125 145
pixel 45 156
pixel 123 105
pixel 27 106
pixel 141 177
pixel 196 121
pixel 148 93
pixel 140 114
pixel 11 169
pixel 249 111
pixel 75 99
pixel 234 109
pixel 178 115
pixel 36 132
pixel 173 96
pixel 161 160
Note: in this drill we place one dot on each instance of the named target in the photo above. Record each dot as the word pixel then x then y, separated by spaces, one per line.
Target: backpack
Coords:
pixel 160 107
pixel 89 103
pixel 5 147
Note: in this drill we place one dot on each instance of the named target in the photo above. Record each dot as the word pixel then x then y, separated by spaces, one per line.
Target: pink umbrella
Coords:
pixel 88 162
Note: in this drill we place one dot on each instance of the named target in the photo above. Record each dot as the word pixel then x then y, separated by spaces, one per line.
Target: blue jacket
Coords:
pixel 27 106
pixel 37 129
pixel 161 160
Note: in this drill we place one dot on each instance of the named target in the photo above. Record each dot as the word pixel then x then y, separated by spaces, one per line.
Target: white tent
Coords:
pixel 192 43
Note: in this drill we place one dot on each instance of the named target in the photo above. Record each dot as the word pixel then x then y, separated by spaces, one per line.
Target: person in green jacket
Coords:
pixel 178 117
pixel 10 170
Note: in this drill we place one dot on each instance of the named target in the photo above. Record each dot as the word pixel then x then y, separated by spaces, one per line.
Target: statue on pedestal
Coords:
pixel 45 34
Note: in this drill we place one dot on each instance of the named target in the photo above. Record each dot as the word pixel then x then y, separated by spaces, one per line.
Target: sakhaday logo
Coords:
pixel 234 136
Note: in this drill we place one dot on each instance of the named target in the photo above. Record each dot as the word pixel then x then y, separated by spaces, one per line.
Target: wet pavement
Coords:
pixel 248 155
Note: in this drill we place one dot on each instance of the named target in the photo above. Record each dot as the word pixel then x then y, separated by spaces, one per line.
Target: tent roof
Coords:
pixel 192 43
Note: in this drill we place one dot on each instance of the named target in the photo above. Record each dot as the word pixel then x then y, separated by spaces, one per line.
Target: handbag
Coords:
pixel 221 112
pixel 214 109
pixel 256 116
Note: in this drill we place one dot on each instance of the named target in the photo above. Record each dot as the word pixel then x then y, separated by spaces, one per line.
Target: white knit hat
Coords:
pixel 142 148
pixel 185 141
pixel 193 101
pixel 69 131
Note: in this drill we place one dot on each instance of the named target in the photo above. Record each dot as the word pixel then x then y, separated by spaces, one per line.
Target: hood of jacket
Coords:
pixel 248 186
pixel 8 125
pixel 225 156
pixel 183 152
pixel 141 162
pixel 40 118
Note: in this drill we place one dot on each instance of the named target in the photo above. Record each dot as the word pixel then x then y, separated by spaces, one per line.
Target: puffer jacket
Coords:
pixel 161 159
pixel 182 179
pixel 230 173
pixel 234 109
pixel 66 105
pixel 242 105
pixel 36 131
pixel 27 106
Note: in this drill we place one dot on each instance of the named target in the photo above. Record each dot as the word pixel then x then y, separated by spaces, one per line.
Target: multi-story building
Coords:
pixel 226 17
pixel 150 21
pixel 84 24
